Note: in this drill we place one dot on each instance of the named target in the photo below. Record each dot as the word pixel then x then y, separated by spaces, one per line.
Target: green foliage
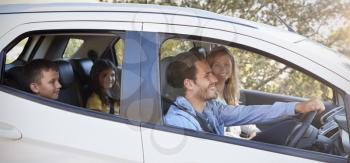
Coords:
pixel 173 47
pixel 260 73
pixel 119 48
pixel 309 18
pixel 339 39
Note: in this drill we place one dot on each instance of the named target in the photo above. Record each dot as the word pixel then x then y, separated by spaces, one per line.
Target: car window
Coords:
pixel 260 73
pixel 72 47
pixel 80 84
pixel 172 47
pixel 264 74
pixel 119 50
pixel 270 80
pixel 14 53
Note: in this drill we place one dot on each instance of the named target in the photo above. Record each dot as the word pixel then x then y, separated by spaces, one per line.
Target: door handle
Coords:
pixel 8 131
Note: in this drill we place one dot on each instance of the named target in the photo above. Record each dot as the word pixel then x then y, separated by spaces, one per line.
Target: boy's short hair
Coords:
pixel 182 68
pixel 34 68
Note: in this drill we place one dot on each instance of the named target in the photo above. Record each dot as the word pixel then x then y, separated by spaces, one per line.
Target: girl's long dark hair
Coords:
pixel 99 66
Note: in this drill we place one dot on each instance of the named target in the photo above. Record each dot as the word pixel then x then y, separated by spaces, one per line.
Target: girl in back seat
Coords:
pixel 103 77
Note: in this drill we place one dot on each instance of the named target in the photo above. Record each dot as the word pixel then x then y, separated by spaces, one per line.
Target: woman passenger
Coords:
pixel 225 69
pixel 103 77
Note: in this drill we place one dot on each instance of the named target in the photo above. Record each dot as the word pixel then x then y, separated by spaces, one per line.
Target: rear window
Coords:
pixel 15 52
pixel 72 47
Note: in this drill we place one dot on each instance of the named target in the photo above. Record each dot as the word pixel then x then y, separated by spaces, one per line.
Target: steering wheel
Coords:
pixel 299 130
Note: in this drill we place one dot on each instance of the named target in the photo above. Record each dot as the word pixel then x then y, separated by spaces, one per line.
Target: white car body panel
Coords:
pixel 108 142
pixel 190 30
pixel 47 131
pixel 175 148
pixel 21 29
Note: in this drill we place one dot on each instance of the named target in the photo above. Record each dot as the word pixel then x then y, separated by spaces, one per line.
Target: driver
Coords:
pixel 196 109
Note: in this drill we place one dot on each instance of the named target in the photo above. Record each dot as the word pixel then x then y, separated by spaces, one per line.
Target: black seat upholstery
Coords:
pixel 14 77
pixel 66 73
pixel 69 93
pixel 168 92
pixel 16 63
pixel 82 68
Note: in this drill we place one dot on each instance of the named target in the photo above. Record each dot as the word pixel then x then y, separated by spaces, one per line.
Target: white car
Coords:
pixel 138 38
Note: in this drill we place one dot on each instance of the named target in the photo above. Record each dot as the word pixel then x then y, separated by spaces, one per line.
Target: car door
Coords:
pixel 172 144
pixel 34 129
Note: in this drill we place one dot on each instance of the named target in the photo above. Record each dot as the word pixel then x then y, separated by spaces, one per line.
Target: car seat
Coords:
pixel 168 92
pixel 82 68
pixel 14 77
pixel 69 93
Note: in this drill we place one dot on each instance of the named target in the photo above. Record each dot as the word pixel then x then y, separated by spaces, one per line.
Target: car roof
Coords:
pixel 284 35
pixel 128 7
pixel 146 8
pixel 118 7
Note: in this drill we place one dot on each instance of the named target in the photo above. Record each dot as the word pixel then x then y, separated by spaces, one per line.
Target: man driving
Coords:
pixel 196 109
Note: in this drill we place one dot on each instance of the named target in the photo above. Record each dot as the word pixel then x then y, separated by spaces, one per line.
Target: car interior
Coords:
pixel 75 63
pixel 74 70
pixel 311 132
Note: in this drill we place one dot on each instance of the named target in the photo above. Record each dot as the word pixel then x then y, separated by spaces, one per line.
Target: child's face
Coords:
pixel 49 85
pixel 106 79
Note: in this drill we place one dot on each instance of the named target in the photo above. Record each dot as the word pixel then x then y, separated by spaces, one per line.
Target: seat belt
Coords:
pixel 203 123
pixel 111 106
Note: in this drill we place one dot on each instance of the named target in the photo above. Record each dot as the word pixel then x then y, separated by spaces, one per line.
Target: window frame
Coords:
pixel 66 47
pixel 25 48
pixel 251 144
pixel 121 38
pixel 57 104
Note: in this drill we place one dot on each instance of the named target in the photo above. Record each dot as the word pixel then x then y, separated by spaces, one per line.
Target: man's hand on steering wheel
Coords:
pixel 314 104
pixel 309 109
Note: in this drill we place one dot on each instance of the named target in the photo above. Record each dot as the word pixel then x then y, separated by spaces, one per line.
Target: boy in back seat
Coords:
pixel 43 78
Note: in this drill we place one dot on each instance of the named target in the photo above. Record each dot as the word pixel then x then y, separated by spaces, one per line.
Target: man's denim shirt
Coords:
pixel 220 115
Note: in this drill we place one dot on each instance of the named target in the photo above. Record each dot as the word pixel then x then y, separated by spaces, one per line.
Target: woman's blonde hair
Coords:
pixel 232 84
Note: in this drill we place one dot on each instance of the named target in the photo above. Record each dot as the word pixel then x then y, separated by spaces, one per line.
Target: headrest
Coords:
pixel 199 51
pixel 66 73
pixel 167 90
pixel 82 67
pixel 17 78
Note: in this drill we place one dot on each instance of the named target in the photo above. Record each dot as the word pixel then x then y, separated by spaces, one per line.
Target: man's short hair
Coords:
pixel 182 68
pixel 35 68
